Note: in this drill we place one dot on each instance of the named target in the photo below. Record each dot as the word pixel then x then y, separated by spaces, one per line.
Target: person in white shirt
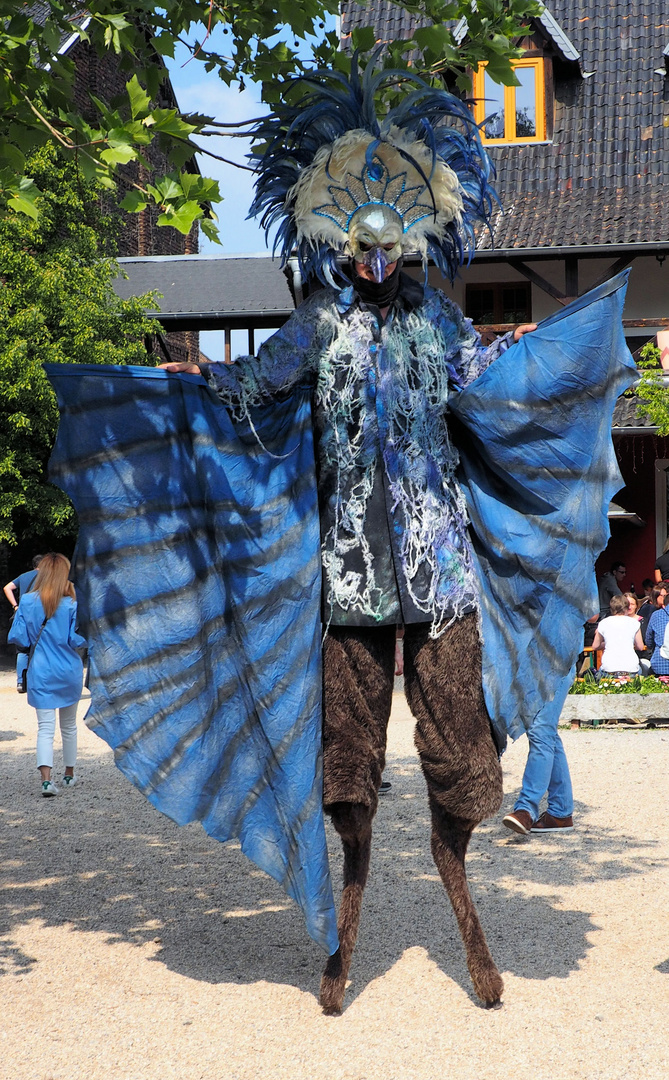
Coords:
pixel 619 635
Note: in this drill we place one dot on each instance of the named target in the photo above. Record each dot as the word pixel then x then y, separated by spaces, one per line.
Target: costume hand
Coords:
pixel 525 328
pixel 192 369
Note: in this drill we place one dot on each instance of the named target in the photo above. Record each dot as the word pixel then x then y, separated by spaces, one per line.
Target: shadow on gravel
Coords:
pixel 101 859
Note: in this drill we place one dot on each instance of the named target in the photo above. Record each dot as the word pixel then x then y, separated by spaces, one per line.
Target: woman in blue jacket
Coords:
pixel 45 625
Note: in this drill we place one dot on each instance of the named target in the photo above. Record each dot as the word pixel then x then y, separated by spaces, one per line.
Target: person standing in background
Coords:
pixel 44 627
pixel 14 590
pixel 662 564
pixel 610 586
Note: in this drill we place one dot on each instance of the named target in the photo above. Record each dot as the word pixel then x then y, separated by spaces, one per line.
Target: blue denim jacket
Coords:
pixel 393 518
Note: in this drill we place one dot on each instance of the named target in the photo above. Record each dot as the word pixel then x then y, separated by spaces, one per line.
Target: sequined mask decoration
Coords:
pixel 375 210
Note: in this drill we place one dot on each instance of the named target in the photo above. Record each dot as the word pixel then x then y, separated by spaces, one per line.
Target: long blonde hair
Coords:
pixel 52 582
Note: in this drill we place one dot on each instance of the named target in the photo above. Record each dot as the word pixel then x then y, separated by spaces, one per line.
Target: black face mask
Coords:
pixel 381 293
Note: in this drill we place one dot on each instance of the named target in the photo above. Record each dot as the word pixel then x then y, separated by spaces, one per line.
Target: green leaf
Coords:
pixel 178 152
pixel 22 205
pixel 19 27
pixel 11 157
pixel 500 44
pixel 168 189
pixel 133 201
pixel 140 102
pixel 51 35
pixel 500 71
pixel 119 22
pixel 89 167
pixel 163 44
pixel 210 230
pixel 170 123
pixel 182 218
pixel 433 37
pixel 24 198
pixel 118 155
pixel 364 38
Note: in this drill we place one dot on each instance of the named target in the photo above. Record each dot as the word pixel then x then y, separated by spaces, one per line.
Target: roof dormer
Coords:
pixel 524 113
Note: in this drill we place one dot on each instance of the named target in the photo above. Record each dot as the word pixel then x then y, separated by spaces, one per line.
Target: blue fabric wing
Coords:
pixel 538 470
pixel 198 578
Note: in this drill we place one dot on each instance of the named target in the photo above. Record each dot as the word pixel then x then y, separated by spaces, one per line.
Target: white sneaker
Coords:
pixel 69 781
pixel 49 789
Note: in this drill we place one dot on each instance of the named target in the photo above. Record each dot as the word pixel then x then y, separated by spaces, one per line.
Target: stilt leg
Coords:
pixel 353 822
pixel 359 665
pixel 461 768
pixel 450 838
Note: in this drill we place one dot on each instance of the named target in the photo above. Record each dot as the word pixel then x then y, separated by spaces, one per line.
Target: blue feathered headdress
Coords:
pixel 329 171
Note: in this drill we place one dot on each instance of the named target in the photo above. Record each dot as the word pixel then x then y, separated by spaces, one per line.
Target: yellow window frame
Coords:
pixel 482 109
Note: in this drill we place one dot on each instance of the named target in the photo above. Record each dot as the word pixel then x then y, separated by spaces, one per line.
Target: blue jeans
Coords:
pixel 546 770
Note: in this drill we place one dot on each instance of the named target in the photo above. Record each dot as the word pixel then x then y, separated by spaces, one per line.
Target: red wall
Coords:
pixel 630 544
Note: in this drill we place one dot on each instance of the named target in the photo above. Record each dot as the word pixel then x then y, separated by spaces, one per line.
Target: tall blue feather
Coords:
pixel 322 106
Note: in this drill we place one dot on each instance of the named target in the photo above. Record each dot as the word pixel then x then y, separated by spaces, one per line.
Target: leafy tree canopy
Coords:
pixel 56 306
pixel 652 391
pixel 36 78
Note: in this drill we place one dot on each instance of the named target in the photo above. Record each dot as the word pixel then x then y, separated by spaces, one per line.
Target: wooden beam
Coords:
pixel 539 281
pixel 228 345
pixel 613 269
pixel 643 323
pixel 629 324
pixel 495 328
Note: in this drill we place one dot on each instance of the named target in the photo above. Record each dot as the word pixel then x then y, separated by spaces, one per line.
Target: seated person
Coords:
pixel 657 625
pixel 657 599
pixel 632 604
pixel 647 586
pixel 619 635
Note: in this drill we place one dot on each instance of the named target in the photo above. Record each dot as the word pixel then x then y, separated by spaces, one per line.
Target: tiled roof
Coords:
pixel 39 11
pixel 577 215
pixel 389 21
pixel 625 415
pixel 197 288
pixel 604 176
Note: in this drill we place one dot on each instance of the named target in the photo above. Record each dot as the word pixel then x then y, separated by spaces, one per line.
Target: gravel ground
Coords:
pixel 134 950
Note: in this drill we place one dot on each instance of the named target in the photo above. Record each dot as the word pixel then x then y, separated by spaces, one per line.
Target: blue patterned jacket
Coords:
pixel 393 519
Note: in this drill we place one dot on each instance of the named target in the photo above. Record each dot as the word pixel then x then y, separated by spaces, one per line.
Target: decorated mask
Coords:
pixel 366 188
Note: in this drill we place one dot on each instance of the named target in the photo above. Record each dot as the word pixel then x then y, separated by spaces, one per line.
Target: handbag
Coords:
pixel 22 687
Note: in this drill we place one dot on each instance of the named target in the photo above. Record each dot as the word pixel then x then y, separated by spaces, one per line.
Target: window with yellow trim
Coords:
pixel 512 114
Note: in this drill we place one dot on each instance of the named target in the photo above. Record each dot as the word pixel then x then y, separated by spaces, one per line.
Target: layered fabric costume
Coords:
pixel 204 623
pixel 393 520
pixel 197 564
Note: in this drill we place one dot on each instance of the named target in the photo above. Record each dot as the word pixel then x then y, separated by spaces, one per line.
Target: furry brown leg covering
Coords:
pixel 442 678
pixel 358 673
pixel 353 822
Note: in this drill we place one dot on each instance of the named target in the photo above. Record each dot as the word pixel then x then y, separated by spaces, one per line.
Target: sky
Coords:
pixel 203 92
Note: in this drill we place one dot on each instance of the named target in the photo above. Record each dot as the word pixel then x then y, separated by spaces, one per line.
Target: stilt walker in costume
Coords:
pixel 492 541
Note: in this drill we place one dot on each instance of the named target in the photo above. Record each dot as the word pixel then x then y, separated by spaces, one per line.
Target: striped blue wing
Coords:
pixel 198 577
pixel 538 471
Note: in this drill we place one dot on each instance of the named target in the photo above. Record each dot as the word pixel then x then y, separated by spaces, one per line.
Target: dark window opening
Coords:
pixel 490 305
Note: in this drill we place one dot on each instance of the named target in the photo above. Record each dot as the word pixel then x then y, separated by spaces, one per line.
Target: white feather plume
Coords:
pixel 336 164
